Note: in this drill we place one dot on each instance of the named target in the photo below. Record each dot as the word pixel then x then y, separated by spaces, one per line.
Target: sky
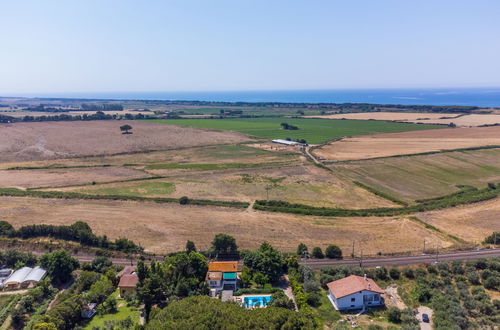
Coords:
pixel 98 46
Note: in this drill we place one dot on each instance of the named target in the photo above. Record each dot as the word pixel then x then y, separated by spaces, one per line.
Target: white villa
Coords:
pixel 355 292
pixel 222 275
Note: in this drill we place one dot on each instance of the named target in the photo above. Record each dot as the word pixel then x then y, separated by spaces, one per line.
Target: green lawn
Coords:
pixel 312 130
pixel 146 188
pixel 123 312
pixel 325 311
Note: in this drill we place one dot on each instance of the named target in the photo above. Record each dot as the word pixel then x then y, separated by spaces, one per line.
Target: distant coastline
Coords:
pixel 482 97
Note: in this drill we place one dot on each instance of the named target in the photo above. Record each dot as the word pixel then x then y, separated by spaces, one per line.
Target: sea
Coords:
pixel 482 97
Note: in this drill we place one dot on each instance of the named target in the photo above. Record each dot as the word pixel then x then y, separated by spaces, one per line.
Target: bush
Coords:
pixel 184 200
pixel 333 252
pixel 394 314
pixel 317 253
pixel 313 299
pixel 394 273
pixel 302 249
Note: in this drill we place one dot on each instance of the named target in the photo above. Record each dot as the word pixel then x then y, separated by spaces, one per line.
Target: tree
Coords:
pixel 333 252
pixel 301 249
pixel 394 314
pixel 190 246
pixel 125 129
pixel 266 260
pixel 101 263
pixel 279 299
pixel 59 264
pixel 224 244
pixel 317 253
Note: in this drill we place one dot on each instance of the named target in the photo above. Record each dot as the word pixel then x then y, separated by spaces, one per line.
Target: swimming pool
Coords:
pixel 256 301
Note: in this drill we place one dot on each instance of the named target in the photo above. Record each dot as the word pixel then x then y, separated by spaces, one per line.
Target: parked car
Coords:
pixel 425 318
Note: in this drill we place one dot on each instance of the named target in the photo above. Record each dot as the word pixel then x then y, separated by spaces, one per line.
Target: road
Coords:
pixel 404 260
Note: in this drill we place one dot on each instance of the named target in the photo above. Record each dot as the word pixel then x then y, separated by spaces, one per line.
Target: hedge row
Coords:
pixel 462 197
pixel 381 193
pixel 60 194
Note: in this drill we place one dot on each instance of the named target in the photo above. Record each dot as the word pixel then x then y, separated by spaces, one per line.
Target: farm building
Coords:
pixel 222 275
pixel 354 292
pixel 286 142
pixel 25 277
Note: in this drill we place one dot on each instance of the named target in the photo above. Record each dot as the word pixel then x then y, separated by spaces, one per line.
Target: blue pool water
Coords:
pixel 256 301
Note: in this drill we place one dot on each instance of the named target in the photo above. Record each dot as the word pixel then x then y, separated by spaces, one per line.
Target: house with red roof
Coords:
pixel 222 275
pixel 128 281
pixel 355 292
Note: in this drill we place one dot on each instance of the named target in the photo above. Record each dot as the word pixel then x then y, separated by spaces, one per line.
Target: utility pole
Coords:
pixel 352 254
pixel 437 253
pixel 423 251
pixel 268 187
pixel 361 260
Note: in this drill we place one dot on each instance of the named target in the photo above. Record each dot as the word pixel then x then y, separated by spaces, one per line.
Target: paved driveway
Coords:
pixel 428 311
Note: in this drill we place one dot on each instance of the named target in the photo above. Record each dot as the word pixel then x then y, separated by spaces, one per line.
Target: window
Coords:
pixel 352 305
pixel 353 299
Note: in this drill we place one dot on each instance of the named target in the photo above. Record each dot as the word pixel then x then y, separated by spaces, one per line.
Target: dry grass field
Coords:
pixel 391 144
pixel 66 176
pixel 468 120
pixel 21 114
pixel 470 222
pixel 397 116
pixel 425 176
pixel 297 184
pixel 165 228
pixel 51 140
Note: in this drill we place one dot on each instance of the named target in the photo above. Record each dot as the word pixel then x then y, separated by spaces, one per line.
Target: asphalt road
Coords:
pixel 404 260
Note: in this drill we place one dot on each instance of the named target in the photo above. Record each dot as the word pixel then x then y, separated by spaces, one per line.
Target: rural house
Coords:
pixel 222 275
pixel 354 292
pixel 128 281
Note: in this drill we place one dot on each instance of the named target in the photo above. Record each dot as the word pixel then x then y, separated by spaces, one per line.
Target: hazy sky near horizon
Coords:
pixel 121 45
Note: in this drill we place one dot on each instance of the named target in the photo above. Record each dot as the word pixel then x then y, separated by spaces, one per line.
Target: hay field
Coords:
pixel 52 140
pixel 165 228
pixel 391 144
pixel 470 222
pixel 426 176
pixel 65 176
pixel 467 120
pixel 396 116
pixel 297 184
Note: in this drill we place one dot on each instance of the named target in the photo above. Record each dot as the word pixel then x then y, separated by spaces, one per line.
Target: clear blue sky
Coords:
pixel 92 45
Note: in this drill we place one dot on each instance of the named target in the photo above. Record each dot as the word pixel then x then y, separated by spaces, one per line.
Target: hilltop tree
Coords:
pixel 224 244
pixel 59 265
pixel 190 246
pixel 125 129
pixel 301 249
pixel 333 252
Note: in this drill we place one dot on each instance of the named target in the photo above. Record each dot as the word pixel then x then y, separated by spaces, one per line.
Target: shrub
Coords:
pixel 301 249
pixel 333 252
pixel 395 273
pixel 184 200
pixel 317 253
pixel 394 314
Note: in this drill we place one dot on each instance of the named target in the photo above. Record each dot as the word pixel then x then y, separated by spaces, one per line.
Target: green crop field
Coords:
pixel 132 189
pixel 312 130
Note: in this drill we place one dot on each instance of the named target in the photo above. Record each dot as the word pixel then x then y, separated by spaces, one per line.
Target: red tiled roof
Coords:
pixel 223 266
pixel 214 276
pixel 127 270
pixel 128 281
pixel 352 284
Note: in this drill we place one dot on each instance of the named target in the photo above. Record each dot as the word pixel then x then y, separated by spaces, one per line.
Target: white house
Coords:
pixel 354 292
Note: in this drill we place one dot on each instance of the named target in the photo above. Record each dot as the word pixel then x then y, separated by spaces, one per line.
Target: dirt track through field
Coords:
pixel 53 140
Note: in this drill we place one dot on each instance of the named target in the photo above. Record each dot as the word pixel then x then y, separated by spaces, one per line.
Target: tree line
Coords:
pixel 78 232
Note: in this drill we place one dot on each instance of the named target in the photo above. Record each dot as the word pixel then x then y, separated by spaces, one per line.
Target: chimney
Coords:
pixel 369 286
pixel 366 279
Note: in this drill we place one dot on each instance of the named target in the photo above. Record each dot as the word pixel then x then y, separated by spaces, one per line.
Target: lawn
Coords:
pixel 312 130
pixel 325 311
pixel 123 312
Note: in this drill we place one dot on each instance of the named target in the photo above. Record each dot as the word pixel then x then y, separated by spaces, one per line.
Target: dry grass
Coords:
pixel 52 140
pixel 165 228
pixel 467 120
pixel 63 177
pixel 297 184
pixel 470 222
pixel 397 116
pixel 390 144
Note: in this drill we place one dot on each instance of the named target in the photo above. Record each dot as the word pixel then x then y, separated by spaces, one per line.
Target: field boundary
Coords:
pixel 494 146
pixel 14 192
pixel 463 197
pixel 437 230
pixel 379 193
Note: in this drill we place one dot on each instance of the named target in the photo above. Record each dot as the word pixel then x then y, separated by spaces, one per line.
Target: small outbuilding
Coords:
pixel 355 292
pixel 25 277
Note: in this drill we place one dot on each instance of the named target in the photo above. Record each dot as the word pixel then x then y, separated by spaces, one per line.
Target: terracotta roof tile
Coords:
pixel 223 266
pixel 128 281
pixel 352 284
pixel 213 276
